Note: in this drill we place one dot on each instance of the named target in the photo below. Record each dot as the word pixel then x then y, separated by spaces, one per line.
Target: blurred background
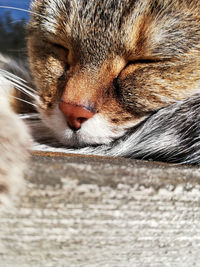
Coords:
pixel 13 27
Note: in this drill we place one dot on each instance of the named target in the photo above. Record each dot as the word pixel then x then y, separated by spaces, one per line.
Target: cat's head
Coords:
pixel 102 67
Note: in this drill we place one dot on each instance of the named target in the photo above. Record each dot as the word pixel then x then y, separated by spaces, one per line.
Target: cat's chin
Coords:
pixel 95 131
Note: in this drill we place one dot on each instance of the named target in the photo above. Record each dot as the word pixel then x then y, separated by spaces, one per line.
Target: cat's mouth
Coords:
pixel 93 132
pixel 96 131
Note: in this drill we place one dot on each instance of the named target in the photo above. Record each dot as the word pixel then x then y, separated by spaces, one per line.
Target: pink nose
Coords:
pixel 75 115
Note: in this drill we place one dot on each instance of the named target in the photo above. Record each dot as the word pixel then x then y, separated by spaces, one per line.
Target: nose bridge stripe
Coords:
pixel 80 88
pixel 87 106
pixel 75 115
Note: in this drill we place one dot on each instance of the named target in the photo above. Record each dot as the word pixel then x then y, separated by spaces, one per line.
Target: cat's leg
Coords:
pixel 14 143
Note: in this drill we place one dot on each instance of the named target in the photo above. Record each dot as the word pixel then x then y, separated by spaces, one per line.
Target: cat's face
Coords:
pixel 112 62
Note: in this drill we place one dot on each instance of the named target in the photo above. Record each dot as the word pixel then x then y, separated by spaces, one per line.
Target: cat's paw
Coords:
pixel 15 142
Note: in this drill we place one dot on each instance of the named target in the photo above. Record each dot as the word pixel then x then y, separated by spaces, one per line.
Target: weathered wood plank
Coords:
pixel 83 211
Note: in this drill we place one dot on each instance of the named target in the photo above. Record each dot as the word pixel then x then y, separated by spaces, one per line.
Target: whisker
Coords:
pixel 21 9
pixel 33 116
pixel 26 92
pixel 17 80
pixel 22 100
pixel 18 83
pixel 22 88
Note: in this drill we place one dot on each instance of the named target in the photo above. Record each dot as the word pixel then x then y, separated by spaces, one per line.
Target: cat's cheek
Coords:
pixel 98 130
pixel 55 66
pixel 55 121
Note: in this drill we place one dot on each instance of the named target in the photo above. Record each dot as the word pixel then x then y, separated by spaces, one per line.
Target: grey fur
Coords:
pixel 172 134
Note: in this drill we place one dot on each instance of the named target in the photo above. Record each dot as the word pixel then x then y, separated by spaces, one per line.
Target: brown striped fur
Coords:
pixel 149 48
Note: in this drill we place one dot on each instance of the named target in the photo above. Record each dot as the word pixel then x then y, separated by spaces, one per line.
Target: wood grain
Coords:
pixel 85 211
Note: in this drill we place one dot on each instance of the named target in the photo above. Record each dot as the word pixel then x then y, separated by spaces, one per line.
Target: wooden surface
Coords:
pixel 82 211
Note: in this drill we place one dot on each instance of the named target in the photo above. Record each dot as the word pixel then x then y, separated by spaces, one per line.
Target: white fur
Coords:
pixel 52 9
pixel 49 22
pixel 97 130
pixel 14 143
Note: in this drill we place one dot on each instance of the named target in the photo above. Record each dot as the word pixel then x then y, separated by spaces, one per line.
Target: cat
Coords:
pixel 113 78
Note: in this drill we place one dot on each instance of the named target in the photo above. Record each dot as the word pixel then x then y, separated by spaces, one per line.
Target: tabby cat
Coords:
pixel 115 78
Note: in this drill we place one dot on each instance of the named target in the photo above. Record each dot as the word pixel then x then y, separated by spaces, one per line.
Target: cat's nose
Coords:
pixel 75 115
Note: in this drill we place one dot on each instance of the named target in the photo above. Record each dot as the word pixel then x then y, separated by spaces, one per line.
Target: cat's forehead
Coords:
pixel 140 28
pixel 78 17
pixel 90 24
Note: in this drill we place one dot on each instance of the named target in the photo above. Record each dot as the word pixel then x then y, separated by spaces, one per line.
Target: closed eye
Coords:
pixel 60 47
pixel 134 62
pixel 143 61
pixel 147 61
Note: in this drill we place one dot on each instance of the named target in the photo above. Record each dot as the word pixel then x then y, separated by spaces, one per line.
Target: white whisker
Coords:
pixel 23 90
pixel 30 116
pixel 18 79
pixel 21 9
pixel 19 84
pixel 22 100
